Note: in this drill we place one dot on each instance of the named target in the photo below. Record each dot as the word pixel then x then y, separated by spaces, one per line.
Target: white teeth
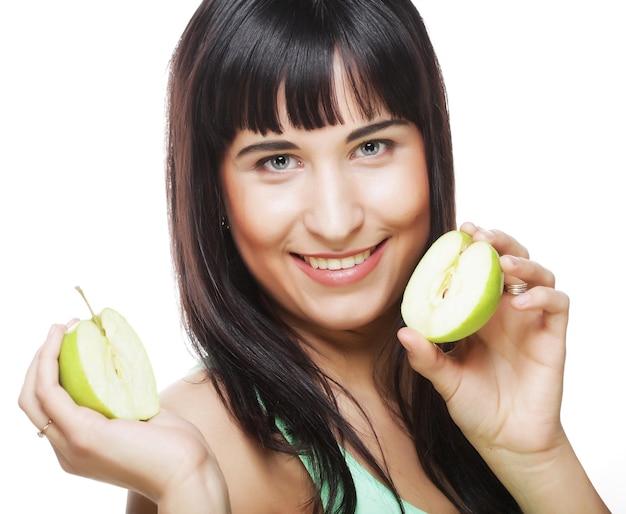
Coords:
pixel 336 264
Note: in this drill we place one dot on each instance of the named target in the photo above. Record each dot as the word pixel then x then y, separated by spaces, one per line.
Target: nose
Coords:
pixel 334 209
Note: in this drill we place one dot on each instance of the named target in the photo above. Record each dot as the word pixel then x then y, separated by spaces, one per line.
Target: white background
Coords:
pixel 536 92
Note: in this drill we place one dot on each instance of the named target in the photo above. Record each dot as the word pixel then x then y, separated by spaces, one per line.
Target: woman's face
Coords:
pixel 330 221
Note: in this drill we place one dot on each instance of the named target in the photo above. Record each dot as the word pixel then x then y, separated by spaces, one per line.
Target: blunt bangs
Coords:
pixel 271 57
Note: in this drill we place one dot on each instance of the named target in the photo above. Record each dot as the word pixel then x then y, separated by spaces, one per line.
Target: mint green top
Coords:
pixel 372 495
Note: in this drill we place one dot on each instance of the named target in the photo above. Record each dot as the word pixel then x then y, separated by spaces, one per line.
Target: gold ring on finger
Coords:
pixel 42 432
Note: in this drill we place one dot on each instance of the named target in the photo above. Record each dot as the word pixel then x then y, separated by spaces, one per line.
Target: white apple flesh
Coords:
pixel 455 288
pixel 104 366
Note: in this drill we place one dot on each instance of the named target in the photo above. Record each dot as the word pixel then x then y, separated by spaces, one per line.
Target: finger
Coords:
pixel 71 323
pixel 518 269
pixel 52 398
pixel 46 379
pixel 469 228
pixel 430 361
pixel 47 376
pixel 501 241
pixel 27 399
pixel 553 303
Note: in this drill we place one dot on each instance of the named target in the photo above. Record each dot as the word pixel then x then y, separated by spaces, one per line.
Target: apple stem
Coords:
pixel 95 318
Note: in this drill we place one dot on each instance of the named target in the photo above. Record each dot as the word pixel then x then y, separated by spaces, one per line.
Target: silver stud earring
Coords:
pixel 224 223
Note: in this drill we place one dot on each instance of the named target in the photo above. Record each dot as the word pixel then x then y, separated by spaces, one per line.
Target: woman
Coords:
pixel 309 167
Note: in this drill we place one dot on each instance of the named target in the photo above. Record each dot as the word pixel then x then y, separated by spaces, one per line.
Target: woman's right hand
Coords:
pixel 166 459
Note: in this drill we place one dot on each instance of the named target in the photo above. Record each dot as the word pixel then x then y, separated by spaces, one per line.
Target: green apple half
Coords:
pixel 454 289
pixel 104 366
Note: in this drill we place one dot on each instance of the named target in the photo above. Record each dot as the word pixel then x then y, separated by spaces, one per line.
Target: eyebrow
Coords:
pixel 282 145
pixel 373 128
pixel 267 146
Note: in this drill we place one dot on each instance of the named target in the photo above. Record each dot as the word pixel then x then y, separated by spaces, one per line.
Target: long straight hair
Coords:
pixel 232 64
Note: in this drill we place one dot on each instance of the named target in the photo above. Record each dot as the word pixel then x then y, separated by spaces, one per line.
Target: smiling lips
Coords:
pixel 335 271
pixel 337 264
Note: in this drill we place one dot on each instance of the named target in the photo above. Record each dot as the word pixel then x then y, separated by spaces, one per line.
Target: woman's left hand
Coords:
pixel 503 385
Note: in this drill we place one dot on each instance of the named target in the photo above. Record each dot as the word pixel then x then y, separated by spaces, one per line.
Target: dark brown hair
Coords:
pixel 233 61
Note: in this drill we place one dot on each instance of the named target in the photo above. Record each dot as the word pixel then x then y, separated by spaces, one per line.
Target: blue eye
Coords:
pixel 370 148
pixel 279 163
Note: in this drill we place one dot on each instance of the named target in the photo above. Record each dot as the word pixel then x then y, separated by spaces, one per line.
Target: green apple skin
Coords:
pixel 455 288
pixel 108 372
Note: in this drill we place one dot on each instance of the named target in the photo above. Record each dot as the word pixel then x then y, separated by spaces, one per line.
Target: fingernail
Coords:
pixel 513 260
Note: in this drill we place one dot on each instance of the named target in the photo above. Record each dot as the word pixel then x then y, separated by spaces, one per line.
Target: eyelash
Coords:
pixel 265 163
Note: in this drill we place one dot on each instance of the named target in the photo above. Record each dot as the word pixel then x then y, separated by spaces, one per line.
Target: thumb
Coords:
pixel 430 361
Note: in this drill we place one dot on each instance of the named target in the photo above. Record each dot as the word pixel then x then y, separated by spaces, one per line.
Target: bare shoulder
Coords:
pixel 258 480
pixel 194 398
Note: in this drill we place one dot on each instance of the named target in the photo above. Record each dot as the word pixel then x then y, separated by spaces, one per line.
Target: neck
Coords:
pixel 359 360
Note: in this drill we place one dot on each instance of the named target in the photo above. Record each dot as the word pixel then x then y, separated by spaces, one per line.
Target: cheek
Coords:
pixel 258 217
pixel 406 200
